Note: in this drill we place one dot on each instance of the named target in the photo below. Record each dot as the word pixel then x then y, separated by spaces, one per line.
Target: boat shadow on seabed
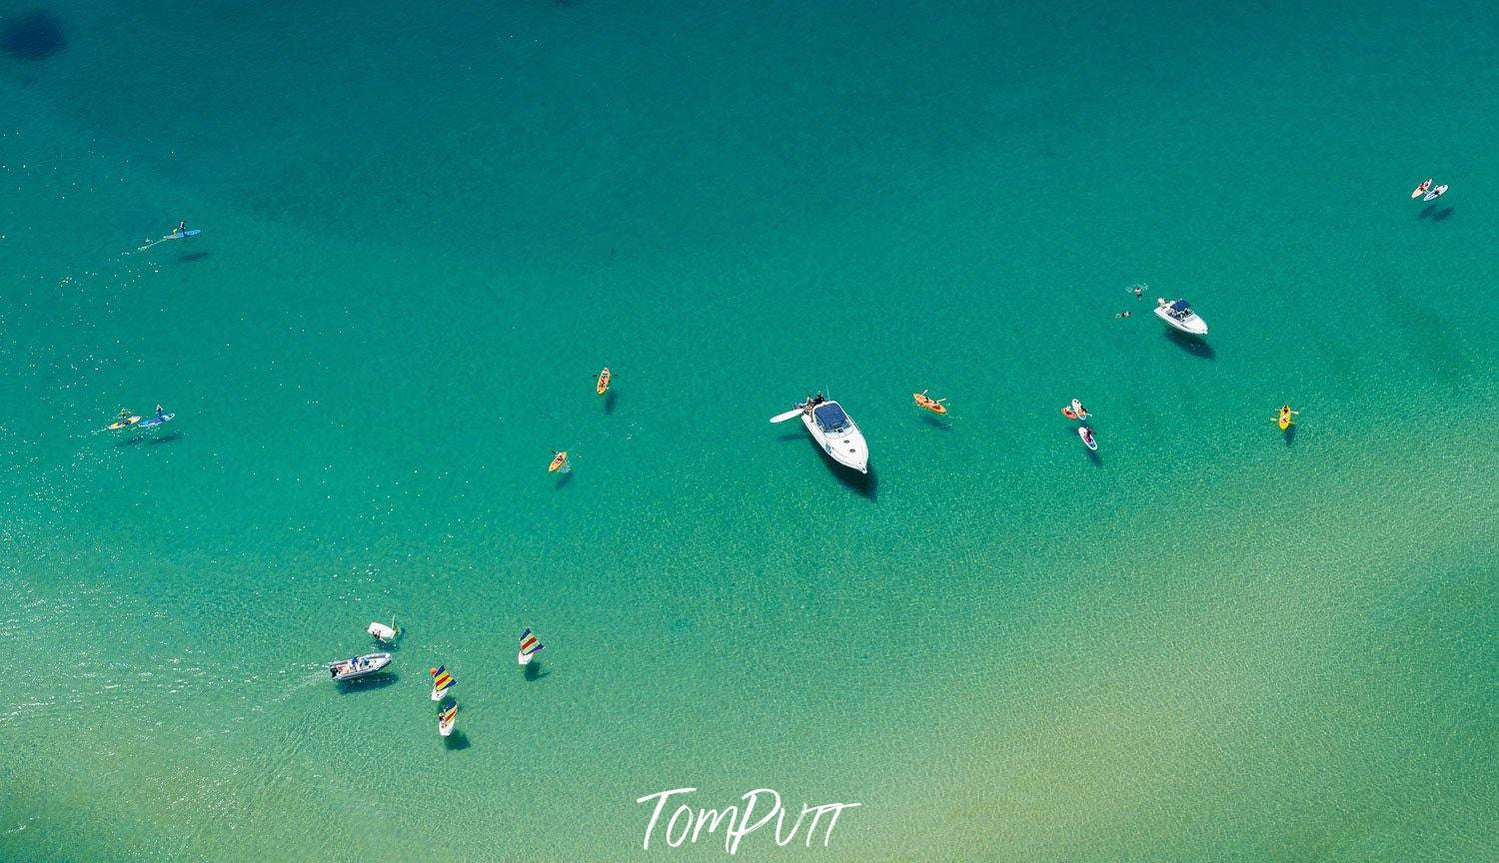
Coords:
pixel 456 741
pixel 1191 344
pixel 863 483
pixel 366 684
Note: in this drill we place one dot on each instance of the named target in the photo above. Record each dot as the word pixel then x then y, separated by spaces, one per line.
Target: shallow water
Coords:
pixel 424 234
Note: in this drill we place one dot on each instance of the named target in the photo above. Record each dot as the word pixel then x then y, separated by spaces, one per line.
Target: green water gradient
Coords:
pixel 425 231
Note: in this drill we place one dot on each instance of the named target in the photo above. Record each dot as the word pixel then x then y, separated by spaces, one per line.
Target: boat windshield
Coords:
pixel 830 416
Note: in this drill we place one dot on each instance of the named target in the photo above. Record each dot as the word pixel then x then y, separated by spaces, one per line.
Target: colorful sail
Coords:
pixel 529 643
pixel 446 714
pixel 441 680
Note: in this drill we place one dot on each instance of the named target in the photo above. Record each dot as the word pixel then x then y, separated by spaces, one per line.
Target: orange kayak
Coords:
pixel 936 406
pixel 603 384
pixel 557 462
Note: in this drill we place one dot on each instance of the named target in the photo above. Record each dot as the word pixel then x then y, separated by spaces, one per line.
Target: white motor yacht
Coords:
pixel 833 430
pixel 359 666
pixel 836 433
pixel 1178 315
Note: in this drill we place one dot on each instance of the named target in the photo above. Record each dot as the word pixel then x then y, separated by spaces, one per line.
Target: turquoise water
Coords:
pixel 423 235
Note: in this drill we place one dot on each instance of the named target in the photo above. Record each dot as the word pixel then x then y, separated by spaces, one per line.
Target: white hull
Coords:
pixel 446 730
pixel 845 446
pixel 362 666
pixel 523 658
pixel 437 694
pixel 1192 325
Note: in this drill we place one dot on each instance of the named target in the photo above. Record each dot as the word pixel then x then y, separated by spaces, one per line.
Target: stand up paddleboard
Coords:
pixel 122 424
pixel 1087 435
pixel 1438 192
pixel 152 422
pixel 1421 189
pixel 175 235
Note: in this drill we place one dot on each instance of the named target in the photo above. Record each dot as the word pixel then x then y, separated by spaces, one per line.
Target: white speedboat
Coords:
pixel 833 430
pixel 359 666
pixel 1178 315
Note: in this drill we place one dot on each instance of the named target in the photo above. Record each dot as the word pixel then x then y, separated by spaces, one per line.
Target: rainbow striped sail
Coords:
pixel 445 718
pixel 441 681
pixel 530 645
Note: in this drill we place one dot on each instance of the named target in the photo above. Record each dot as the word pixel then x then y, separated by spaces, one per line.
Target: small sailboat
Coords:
pixel 559 462
pixel 442 681
pixel 1088 440
pixel 446 717
pixel 382 633
pixel 530 645
pixel 936 406
pixel 1421 189
pixel 1283 419
pixel 1075 411
pixel 602 385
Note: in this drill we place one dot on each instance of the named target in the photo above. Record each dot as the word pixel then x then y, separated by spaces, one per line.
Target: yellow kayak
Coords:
pixel 557 462
pixel 1284 419
pixel 936 406
pixel 122 424
pixel 603 384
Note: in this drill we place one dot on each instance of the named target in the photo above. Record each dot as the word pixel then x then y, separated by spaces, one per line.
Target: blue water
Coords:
pixel 425 231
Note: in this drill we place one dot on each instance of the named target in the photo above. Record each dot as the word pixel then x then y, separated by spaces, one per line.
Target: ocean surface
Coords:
pixel 425 229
